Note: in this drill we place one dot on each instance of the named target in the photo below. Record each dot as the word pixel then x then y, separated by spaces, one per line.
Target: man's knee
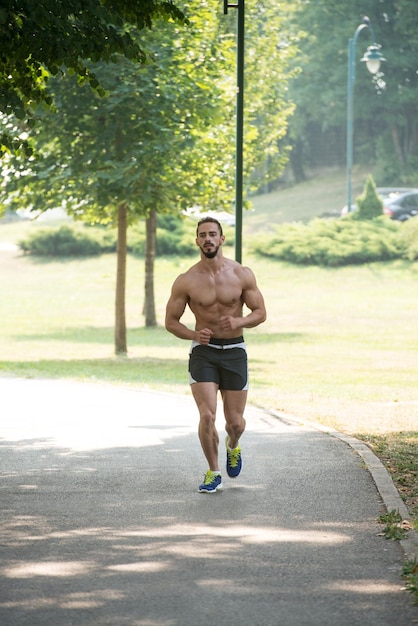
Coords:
pixel 236 426
pixel 207 416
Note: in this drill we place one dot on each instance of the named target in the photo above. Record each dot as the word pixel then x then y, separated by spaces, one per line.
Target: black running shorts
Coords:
pixel 222 361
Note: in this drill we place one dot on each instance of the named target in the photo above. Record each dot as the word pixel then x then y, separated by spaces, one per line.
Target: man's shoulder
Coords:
pixel 189 275
pixel 242 270
pixel 192 271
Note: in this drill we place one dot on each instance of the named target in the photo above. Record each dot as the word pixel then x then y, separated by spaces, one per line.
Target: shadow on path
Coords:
pixel 108 528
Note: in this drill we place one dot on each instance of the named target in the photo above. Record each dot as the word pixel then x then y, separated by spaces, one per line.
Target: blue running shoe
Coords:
pixel 233 460
pixel 212 483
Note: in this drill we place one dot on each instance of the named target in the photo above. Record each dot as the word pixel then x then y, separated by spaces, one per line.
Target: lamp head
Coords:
pixel 373 58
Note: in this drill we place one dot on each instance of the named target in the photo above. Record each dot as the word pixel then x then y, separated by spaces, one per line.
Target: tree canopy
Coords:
pixel 163 138
pixel 38 39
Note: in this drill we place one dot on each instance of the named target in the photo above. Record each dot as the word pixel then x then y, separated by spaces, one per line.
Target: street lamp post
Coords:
pixel 239 4
pixel 372 58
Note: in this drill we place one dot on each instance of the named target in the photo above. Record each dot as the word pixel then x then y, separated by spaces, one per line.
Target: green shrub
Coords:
pixel 167 242
pixel 369 204
pixel 107 239
pixel 333 243
pixel 174 237
pixel 63 241
pixel 136 239
pixel 409 238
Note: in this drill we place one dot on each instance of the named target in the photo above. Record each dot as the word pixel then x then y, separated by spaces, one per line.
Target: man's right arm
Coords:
pixel 174 311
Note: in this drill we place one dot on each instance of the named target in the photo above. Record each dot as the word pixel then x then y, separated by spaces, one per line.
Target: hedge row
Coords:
pixel 323 242
pixel 333 243
pixel 68 241
pixel 77 240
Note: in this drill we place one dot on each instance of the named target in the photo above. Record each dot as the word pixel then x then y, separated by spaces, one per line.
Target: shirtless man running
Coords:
pixel 215 289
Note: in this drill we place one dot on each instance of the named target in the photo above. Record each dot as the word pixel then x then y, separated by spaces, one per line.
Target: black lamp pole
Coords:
pixel 239 4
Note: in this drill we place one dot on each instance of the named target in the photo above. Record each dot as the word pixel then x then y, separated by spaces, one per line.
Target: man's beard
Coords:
pixel 210 254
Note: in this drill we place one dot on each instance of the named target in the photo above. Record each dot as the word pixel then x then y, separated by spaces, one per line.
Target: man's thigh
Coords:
pixel 234 403
pixel 205 396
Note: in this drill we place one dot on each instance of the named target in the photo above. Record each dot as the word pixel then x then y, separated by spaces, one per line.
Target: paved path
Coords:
pixel 102 524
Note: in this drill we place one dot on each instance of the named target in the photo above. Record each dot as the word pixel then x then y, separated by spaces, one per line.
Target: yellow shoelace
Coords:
pixel 234 456
pixel 209 477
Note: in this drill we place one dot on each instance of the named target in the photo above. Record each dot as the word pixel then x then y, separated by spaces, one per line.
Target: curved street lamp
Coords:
pixel 373 59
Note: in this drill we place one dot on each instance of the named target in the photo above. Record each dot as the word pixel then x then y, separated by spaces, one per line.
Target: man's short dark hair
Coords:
pixel 209 219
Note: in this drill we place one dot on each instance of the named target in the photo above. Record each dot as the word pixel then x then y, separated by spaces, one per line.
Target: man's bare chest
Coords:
pixel 211 291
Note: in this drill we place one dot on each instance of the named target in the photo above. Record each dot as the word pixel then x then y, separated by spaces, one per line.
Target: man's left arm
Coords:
pixel 253 299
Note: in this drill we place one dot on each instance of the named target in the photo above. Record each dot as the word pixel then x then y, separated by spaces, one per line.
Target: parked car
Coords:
pixel 399 203
pixel 222 216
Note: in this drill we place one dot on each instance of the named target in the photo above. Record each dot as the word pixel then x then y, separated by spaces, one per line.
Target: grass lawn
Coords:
pixel 323 193
pixel 339 346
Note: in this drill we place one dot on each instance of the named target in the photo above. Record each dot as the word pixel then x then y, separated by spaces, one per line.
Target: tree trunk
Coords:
pixel 150 247
pixel 296 161
pixel 398 147
pixel 120 315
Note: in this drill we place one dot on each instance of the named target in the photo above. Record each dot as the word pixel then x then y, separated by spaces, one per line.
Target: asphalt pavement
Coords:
pixel 102 524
